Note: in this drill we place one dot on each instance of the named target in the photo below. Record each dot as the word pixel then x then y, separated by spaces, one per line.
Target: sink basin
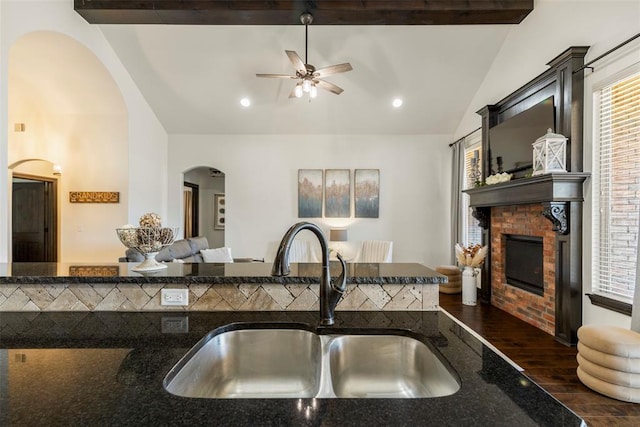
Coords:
pixel 297 363
pixel 387 366
pixel 250 363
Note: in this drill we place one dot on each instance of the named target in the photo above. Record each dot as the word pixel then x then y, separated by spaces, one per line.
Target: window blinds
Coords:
pixel 472 233
pixel 616 213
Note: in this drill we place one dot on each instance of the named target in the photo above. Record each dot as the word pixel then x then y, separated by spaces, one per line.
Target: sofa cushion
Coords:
pixel 198 243
pixel 179 249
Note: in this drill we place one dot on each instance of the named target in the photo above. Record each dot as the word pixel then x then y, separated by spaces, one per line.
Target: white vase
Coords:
pixel 469 289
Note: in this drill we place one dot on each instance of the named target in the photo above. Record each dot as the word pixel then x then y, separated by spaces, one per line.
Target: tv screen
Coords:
pixel 510 142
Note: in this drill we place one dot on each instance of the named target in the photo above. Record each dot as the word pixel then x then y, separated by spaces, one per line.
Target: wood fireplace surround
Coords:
pixel 547 206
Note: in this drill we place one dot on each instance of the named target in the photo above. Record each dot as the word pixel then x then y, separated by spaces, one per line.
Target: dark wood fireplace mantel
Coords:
pixel 553 187
pixel 555 191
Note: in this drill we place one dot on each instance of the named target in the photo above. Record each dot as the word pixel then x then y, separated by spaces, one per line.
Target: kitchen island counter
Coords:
pixel 215 273
pixel 106 368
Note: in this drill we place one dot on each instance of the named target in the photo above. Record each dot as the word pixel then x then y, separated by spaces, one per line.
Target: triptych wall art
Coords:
pixel 333 187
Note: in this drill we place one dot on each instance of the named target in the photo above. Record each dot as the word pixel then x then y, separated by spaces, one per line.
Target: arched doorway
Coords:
pixel 66 107
pixel 204 210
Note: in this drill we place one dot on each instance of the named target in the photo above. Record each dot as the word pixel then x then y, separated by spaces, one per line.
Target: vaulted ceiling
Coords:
pixel 194 75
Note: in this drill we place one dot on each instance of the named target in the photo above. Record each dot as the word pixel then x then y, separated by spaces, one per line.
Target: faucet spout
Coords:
pixel 330 293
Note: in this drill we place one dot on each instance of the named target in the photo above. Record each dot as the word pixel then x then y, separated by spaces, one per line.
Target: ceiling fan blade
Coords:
pixel 333 69
pixel 293 93
pixel 329 86
pixel 296 61
pixel 279 76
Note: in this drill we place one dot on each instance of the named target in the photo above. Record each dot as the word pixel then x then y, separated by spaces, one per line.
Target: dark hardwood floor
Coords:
pixel 547 362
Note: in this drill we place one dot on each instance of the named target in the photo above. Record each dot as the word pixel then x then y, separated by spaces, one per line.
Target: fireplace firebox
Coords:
pixel 524 263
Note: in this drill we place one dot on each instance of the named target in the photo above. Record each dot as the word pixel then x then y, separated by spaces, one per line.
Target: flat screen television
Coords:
pixel 510 142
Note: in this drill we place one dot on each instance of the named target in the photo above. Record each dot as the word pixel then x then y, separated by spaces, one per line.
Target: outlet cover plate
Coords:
pixel 174 297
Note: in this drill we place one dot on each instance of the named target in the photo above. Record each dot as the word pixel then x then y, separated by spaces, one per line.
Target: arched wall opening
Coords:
pixel 65 107
pixel 209 184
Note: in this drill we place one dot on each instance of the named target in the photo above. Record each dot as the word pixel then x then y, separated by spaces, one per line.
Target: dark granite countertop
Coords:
pixel 240 272
pixel 107 368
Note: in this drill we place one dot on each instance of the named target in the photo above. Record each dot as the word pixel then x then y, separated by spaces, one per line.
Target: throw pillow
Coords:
pixel 217 255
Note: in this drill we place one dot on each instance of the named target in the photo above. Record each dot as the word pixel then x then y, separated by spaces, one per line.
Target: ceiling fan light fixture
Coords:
pixel 309 78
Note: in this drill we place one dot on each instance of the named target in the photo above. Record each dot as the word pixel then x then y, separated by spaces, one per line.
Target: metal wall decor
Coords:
pixel 219 211
pixel 94 197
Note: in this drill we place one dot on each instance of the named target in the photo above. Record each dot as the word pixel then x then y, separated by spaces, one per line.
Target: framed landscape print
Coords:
pixel 309 193
pixel 367 193
pixel 337 193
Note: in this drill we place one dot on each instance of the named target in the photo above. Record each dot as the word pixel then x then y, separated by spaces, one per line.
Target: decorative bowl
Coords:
pixel 148 241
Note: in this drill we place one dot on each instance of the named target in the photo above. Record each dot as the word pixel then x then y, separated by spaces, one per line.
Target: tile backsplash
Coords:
pixel 207 297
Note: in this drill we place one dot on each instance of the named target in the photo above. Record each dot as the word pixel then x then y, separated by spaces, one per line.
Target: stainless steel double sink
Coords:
pixel 298 363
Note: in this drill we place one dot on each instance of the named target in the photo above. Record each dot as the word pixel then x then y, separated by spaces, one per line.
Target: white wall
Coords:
pixel 145 188
pixel 261 174
pixel 552 27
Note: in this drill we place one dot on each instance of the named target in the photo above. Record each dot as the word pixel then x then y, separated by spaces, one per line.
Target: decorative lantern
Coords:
pixel 550 153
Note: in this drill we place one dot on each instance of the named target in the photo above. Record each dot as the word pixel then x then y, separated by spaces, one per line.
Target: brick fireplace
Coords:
pixel 548 206
pixel 523 220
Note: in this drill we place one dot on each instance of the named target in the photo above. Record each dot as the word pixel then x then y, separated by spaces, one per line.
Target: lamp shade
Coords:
pixel 338 234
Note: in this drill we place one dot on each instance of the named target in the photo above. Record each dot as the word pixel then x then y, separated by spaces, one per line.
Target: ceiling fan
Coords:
pixel 309 79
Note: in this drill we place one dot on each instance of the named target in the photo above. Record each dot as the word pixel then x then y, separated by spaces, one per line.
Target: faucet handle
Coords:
pixel 341 283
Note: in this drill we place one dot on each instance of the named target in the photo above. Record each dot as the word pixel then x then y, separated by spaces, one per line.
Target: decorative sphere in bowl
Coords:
pixel 148 241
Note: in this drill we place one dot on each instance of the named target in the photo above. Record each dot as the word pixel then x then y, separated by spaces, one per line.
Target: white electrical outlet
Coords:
pixel 174 297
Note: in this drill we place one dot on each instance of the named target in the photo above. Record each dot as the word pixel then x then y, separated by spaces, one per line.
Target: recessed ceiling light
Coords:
pixel 397 103
pixel 245 102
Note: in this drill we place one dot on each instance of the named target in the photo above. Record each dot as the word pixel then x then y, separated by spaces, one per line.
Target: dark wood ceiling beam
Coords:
pixel 287 12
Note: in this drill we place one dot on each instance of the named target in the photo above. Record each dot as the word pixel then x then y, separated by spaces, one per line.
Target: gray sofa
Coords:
pixel 186 250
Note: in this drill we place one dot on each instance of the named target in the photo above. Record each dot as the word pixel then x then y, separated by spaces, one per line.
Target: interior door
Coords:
pixel 191 196
pixel 33 220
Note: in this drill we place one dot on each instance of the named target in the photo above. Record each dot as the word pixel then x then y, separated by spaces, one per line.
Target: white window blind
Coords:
pixel 472 233
pixel 618 188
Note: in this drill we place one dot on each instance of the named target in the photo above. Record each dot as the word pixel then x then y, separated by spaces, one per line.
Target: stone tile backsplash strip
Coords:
pixel 211 297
